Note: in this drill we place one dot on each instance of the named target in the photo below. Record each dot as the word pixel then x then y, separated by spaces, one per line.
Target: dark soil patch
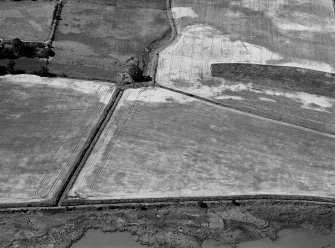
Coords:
pixel 151 4
pixel 24 65
pixel 292 78
pixel 84 72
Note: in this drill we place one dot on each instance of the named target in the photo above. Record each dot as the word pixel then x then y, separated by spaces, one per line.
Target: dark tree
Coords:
pixel 3 70
pixel 45 53
pixel 11 67
pixel 202 204
pixel 7 53
pixel 236 203
pixel 17 45
pixel 135 72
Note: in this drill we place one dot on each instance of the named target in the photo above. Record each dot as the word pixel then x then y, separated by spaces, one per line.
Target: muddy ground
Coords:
pixel 175 225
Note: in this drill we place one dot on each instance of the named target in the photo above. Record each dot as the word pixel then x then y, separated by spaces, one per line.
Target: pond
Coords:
pixel 99 239
pixel 289 238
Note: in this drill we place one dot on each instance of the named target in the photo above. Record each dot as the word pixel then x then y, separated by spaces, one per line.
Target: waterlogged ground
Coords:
pixel 99 239
pixel 185 225
pixel 294 238
pixel 289 238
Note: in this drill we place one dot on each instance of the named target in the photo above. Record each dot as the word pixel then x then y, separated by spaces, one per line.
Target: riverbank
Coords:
pixel 175 225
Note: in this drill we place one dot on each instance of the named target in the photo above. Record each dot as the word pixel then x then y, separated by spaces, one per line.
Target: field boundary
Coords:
pixel 56 18
pixel 76 202
pixel 151 67
pixel 164 202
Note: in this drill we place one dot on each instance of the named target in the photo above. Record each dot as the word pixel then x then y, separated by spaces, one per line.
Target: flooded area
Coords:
pixel 99 239
pixel 290 238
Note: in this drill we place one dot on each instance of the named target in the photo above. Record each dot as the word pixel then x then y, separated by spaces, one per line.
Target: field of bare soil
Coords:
pixel 45 124
pixel 161 144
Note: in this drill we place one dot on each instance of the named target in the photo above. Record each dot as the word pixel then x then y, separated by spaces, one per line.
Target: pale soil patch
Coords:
pixel 156 95
pixel 179 12
pixel 296 20
pixel 266 99
pixel 229 97
pixel 321 102
pixel 82 86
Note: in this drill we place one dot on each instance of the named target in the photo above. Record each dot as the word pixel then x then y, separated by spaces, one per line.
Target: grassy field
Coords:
pixel 103 37
pixel 44 125
pixel 255 32
pixel 27 20
pixel 163 144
